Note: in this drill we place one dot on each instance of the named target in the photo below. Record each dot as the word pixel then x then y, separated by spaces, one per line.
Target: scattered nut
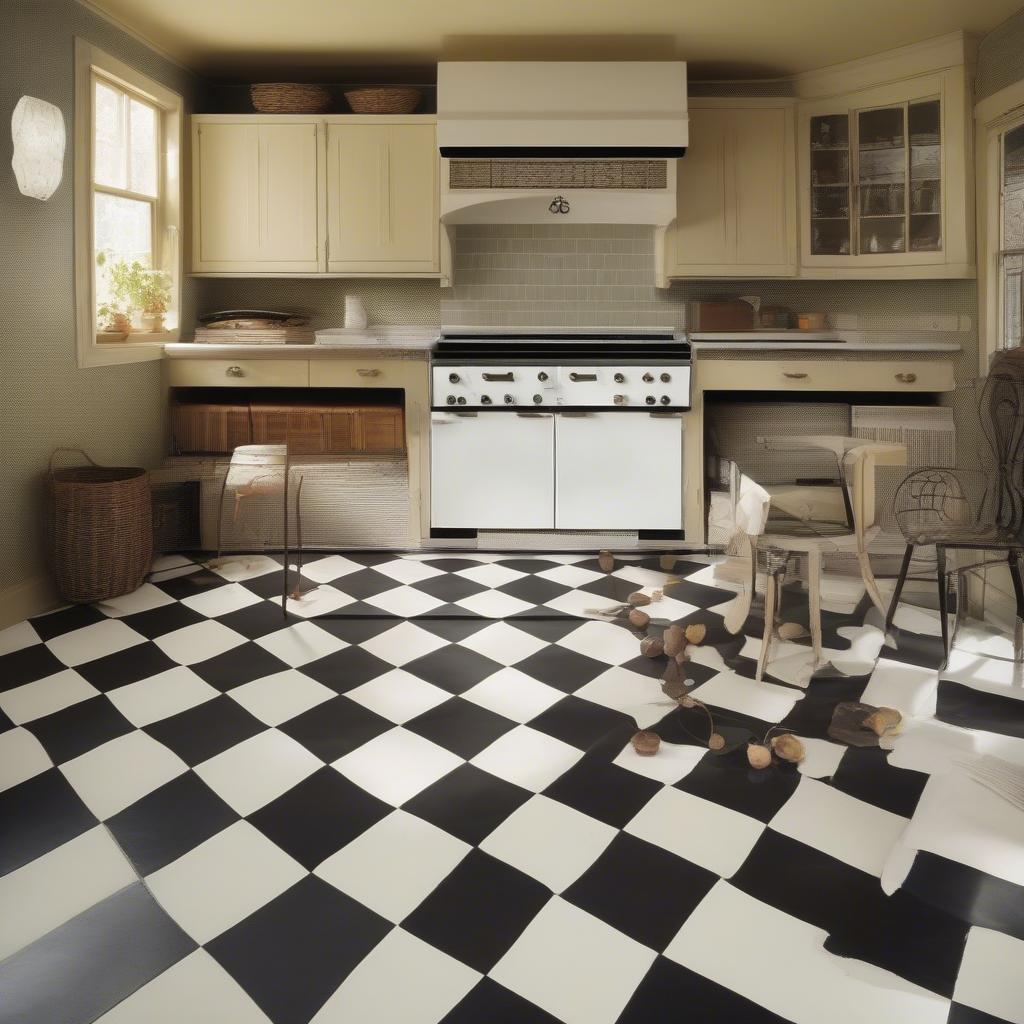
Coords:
pixel 652 647
pixel 646 743
pixel 695 633
pixel 675 688
pixel 688 702
pixel 792 631
pixel 638 599
pixel 716 741
pixel 682 656
pixel 789 748
pixel 606 560
pixel 758 756
pixel 883 720
pixel 674 639
pixel 667 562
pixel 657 595
pixel 638 618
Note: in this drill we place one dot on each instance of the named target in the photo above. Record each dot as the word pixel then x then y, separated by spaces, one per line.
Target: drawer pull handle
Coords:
pixel 906 378
pixel 497 376
pixel 235 371
pixel 794 376
pixel 576 377
pixel 368 373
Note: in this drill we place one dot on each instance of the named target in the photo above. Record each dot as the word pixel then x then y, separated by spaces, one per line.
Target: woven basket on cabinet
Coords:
pixel 391 99
pixel 100 526
pixel 289 98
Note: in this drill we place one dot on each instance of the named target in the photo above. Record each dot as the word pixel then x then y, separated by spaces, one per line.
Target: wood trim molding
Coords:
pixel 30 597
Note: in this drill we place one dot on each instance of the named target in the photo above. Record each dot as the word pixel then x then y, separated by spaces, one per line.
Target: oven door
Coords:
pixel 492 470
pixel 619 471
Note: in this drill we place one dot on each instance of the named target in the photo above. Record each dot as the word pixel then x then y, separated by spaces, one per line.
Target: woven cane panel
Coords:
pixel 999 57
pixel 592 174
pixel 115 412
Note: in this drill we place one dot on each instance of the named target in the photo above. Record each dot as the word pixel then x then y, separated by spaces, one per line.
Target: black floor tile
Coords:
pixel 581 723
pixel 364 583
pixel 478 911
pixel 561 668
pixel 976 709
pixel 319 816
pixel 489 1002
pixel 66 620
pixel 449 588
pixel 551 628
pixel 460 726
pixel 170 821
pixel 730 781
pixel 190 584
pixel 468 803
pixel 453 564
pixel 255 620
pixel 38 815
pixel 160 621
pixel 528 565
pixel 81 969
pixel 129 666
pixel 28 665
pixel 453 668
pixel 605 791
pixel 291 954
pixel 613 589
pixel 201 732
pixel 335 728
pixel 79 728
pixel 346 669
pixel 864 772
pixel 454 629
pixel 242 664
pixel 534 589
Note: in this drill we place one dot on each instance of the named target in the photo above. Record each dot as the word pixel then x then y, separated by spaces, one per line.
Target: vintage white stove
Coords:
pixel 558 431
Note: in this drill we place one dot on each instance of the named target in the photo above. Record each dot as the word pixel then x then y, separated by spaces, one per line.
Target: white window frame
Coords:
pixel 994 116
pixel 92 62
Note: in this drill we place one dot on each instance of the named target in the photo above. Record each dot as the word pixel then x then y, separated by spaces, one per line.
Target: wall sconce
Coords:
pixel 37 129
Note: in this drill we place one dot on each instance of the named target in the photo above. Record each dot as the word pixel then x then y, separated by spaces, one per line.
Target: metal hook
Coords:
pixel 559 205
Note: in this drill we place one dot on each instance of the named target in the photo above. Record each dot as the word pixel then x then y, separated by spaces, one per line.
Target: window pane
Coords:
pixel 123 235
pixel 1013 297
pixel 1013 189
pixel 110 165
pixel 142 121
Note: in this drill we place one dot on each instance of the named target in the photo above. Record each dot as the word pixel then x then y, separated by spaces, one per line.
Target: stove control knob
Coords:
pixel 537 399
pixel 453 378
pixel 619 378
pixel 542 376
pixel 665 378
pixel 450 399
pixel 461 399
pixel 650 399
pixel 665 400
pixel 619 399
pixel 648 378
pixel 509 400
pixel 485 399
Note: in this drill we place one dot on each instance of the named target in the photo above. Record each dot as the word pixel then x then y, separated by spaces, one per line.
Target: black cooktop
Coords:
pixel 562 348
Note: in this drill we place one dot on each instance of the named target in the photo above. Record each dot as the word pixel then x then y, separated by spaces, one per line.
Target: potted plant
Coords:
pixel 115 315
pixel 152 292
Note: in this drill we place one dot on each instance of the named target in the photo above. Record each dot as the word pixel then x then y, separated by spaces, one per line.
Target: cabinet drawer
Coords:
pixel 936 375
pixel 361 373
pixel 238 373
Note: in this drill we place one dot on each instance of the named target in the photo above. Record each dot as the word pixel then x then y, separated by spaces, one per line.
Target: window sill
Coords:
pixel 139 347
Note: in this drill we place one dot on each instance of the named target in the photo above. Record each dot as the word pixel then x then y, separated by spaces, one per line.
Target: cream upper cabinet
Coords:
pixel 255 196
pixel 382 196
pixel 736 198
pixel 886 183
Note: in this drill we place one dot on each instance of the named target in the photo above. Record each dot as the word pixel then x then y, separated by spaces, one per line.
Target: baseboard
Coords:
pixel 30 597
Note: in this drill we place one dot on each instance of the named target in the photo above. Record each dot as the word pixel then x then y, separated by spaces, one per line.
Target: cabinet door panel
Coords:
pixel 288 194
pixel 761 146
pixel 226 157
pixel 702 228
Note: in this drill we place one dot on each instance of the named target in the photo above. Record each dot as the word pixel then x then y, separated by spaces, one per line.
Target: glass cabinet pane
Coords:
pixel 830 185
pixel 924 121
pixel 882 176
pixel 1013 189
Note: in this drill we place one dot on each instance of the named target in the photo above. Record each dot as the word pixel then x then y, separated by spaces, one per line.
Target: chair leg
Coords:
pixel 870 585
pixel 894 603
pixel 814 601
pixel 1013 556
pixel 940 572
pixel 771 595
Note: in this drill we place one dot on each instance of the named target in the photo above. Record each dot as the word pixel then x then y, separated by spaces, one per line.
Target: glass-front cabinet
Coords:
pixel 884 176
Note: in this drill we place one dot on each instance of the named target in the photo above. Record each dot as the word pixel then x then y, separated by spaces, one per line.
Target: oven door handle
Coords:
pixel 533 415
pixel 498 376
pixel 439 419
pixel 577 377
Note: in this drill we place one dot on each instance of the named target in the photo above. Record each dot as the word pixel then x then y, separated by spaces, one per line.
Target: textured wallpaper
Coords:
pixel 1001 57
pixel 115 413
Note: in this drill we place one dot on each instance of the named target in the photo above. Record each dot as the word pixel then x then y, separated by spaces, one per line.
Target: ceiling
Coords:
pixel 405 38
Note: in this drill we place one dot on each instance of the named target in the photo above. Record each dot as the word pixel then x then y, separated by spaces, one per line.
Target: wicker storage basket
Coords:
pixel 206 429
pixel 100 529
pixel 392 99
pixel 300 427
pixel 289 98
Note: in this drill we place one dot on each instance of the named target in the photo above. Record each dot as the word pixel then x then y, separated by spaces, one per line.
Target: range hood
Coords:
pixel 558 141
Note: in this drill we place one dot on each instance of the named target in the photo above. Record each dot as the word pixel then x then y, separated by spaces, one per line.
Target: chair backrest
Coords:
pixel 1002 422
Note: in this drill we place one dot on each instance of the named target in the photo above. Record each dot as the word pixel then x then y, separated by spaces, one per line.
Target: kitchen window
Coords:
pixel 127 211
pixel 1011 236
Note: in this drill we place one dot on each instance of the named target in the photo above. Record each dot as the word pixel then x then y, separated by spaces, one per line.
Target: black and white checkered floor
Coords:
pixel 423 806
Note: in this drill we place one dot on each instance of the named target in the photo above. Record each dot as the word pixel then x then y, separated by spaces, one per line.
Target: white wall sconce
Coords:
pixel 37 129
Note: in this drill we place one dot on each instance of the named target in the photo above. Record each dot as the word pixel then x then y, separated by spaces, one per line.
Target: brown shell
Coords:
pixel 646 742
pixel 716 741
pixel 674 639
pixel 688 702
pixel 667 562
pixel 606 560
pixel 652 647
pixel 883 720
pixel 789 748
pixel 758 756
pixel 695 633
pixel 683 656
pixel 638 618
pixel 674 687
pixel 638 599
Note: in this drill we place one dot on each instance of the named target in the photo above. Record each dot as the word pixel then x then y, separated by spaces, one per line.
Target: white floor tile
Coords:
pixel 645 579
pixel 848 829
pixel 780 962
pixel 223 880
pixel 549 841
pixel 333 567
pixel 258 770
pixel 404 570
pixel 405 602
pixel 503 643
pixel 22 757
pixel 605 641
pixel 431 984
pixel 221 600
pixel 490 575
pixel 198 642
pixel 513 694
pixel 162 563
pixel 907 688
pixel 144 599
pixel 821 760
pixel 197 990
pixel 52 889
pixel 527 758
pixel 398 696
pixel 160 696
pixel 672 762
pixel 322 601
pixel 579 602
pixel 402 643
pixel 116 774
pixel 576 967
pixel 715 837
pixel 767 701
pixel 635 695
pixel 33 700
pixel 991 975
pixel 245 567
pixel 397 765
pixel 92 642
pixel 394 865
pixel 493 604
pixel 569 575
pixel 859 659
pixel 277 698
pixel 17 637
pixel 301 643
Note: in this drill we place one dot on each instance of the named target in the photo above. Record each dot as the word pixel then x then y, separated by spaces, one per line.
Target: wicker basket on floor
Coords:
pixel 100 526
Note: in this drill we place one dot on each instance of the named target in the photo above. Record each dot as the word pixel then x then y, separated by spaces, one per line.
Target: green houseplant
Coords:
pixel 134 287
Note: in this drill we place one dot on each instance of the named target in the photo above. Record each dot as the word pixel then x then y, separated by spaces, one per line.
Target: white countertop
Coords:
pixel 809 345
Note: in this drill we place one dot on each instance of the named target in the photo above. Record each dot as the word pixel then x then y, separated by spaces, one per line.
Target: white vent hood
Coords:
pixel 526 142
